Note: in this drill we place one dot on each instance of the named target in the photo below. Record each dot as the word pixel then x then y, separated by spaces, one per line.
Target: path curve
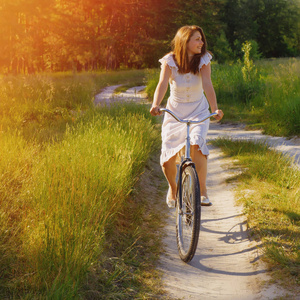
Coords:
pixel 290 147
pixel 107 95
pixel 227 264
pixel 135 94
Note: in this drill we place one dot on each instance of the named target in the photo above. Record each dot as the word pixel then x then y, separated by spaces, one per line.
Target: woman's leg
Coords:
pixel 170 170
pixel 200 161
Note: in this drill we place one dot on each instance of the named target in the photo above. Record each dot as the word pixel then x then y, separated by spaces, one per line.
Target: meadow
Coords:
pixel 68 174
pixel 41 105
pixel 265 96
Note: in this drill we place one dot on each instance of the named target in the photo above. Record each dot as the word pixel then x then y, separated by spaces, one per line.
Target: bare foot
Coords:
pixel 170 200
pixel 172 194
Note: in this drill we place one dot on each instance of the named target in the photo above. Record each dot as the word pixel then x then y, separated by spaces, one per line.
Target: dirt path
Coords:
pixel 227 264
pixel 107 96
pixel 290 147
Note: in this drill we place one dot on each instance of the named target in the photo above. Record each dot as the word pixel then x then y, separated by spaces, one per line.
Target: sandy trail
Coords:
pixel 227 264
pixel 107 96
pixel 290 147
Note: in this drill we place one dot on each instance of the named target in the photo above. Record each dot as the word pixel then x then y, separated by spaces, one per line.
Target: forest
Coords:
pixel 62 35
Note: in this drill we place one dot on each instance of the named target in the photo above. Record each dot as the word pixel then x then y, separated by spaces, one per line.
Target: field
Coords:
pixel 68 173
pixel 266 96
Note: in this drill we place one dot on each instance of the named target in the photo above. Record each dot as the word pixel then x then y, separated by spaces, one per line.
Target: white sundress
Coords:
pixel 187 101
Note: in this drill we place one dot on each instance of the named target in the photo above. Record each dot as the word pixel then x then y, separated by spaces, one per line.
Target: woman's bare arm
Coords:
pixel 161 89
pixel 209 91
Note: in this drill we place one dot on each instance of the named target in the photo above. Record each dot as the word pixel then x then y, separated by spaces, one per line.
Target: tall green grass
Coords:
pixel 16 161
pixel 60 197
pixel 268 97
pixel 269 188
pixel 38 104
pixel 281 100
pixel 271 101
pixel 56 204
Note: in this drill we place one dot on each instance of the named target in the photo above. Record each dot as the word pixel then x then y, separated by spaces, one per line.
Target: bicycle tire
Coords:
pixel 189 217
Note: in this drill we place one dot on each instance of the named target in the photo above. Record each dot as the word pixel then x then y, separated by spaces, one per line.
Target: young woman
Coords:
pixel 187 69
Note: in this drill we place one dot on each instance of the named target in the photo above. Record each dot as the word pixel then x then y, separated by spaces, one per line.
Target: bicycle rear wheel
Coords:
pixel 189 216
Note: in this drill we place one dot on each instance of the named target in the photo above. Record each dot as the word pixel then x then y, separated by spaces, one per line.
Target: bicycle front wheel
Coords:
pixel 188 216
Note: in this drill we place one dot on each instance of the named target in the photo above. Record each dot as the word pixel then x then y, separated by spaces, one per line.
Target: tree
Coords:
pixel 278 21
pixel 222 49
pixel 273 24
pixel 58 35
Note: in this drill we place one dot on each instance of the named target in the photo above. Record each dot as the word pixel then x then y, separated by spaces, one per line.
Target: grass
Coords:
pixel 39 105
pixel 269 98
pixel 132 273
pixel 63 191
pixel 68 196
pixel 269 189
pixel 72 222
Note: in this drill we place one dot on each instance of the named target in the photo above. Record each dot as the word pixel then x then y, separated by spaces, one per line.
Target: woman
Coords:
pixel 187 69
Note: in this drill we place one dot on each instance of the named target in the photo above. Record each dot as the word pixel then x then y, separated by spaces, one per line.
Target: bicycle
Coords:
pixel 188 206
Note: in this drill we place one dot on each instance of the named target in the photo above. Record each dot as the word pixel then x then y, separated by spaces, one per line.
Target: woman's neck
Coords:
pixel 190 56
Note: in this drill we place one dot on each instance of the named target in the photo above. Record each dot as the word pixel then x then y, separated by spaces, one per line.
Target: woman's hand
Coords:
pixel 154 111
pixel 219 115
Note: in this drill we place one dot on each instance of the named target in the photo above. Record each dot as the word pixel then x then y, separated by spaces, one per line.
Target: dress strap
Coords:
pixel 205 59
pixel 169 60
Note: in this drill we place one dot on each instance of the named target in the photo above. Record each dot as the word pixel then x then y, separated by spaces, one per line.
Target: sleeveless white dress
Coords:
pixel 187 101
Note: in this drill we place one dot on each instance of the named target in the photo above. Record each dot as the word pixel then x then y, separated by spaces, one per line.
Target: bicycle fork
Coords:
pixel 184 163
pixel 188 142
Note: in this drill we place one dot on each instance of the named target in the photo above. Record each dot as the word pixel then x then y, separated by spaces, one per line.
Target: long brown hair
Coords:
pixel 179 46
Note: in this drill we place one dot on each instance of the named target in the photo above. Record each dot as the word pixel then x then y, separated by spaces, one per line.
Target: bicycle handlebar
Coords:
pixel 186 121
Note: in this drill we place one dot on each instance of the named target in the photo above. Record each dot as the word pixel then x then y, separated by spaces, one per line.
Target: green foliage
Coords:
pixel 60 197
pixel 281 100
pixel 248 70
pixel 84 180
pixel 268 97
pixel 254 51
pixel 39 36
pixel 269 189
pixel 67 196
pixel 250 85
pixel 222 49
pixel 269 100
pixel 272 24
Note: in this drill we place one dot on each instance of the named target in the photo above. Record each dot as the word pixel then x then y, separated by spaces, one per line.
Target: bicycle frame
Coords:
pixel 187 159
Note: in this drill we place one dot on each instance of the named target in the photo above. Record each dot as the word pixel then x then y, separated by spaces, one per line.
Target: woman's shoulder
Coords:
pixel 169 60
pixel 205 59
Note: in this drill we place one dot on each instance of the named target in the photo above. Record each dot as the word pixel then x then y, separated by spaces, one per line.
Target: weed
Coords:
pixel 269 188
